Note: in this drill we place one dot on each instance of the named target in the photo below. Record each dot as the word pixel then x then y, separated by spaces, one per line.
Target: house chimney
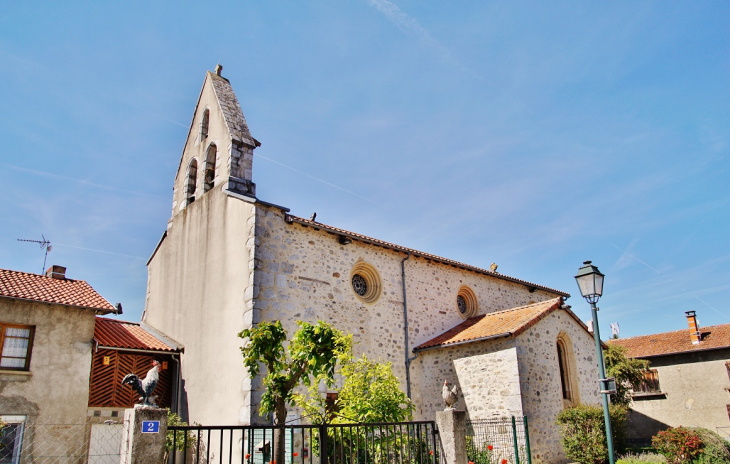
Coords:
pixel 56 272
pixel 694 328
pixel 218 69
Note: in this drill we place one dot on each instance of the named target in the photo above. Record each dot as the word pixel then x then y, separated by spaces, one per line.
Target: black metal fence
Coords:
pixel 504 440
pixel 380 443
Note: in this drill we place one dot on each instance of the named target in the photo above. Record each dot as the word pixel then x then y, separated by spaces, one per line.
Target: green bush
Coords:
pixel 716 449
pixel 479 454
pixel 583 433
pixel 678 444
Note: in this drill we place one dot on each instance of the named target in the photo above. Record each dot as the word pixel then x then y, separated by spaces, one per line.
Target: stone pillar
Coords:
pixel 143 446
pixel 452 435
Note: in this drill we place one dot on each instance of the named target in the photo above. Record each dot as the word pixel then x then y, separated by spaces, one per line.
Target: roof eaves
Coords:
pixel 463 342
pixel 92 308
pixel 712 348
pixel 383 244
pixel 163 337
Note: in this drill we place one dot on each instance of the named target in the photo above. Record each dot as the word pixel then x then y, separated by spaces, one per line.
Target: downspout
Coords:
pixel 405 325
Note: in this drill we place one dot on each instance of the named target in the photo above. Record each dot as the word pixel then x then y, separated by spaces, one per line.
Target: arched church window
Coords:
pixel 466 302
pixel 566 366
pixel 192 179
pixel 210 167
pixel 204 123
pixel 365 282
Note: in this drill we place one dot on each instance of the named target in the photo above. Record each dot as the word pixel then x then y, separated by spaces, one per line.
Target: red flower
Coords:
pixel 471 462
pixel 430 452
pixel 504 461
pixel 248 456
pixel 296 454
pixel 490 447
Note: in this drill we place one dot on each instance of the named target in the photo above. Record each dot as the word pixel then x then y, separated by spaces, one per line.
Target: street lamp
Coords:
pixel 590 283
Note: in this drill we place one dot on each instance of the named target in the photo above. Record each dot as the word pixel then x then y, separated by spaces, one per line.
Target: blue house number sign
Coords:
pixel 150 426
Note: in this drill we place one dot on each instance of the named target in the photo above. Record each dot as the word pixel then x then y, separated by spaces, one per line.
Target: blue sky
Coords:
pixel 531 134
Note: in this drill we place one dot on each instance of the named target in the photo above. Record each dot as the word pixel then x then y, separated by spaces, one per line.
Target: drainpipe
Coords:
pixel 405 324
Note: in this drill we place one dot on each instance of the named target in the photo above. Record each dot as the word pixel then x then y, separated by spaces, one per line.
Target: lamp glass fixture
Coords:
pixel 590 282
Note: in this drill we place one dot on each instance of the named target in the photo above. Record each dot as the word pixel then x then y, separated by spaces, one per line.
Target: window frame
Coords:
pixel 645 388
pixel 567 370
pixel 29 352
pixel 17 424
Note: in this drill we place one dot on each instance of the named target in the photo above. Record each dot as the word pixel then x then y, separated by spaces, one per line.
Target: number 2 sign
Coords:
pixel 150 426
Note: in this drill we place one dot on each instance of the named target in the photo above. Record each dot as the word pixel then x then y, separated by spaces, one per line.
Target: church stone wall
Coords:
pixel 304 274
pixel 199 293
pixel 542 396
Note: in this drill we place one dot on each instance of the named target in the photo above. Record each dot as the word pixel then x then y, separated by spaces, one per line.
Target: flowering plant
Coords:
pixel 678 444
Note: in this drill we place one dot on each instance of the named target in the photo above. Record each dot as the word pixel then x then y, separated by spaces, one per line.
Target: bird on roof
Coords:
pixel 450 396
pixel 313 216
pixel 147 386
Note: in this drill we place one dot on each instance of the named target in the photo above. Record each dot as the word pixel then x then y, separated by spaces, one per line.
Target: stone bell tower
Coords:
pixel 218 152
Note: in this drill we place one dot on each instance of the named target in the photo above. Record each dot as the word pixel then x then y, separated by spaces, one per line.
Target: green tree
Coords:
pixel 312 356
pixel 628 372
pixel 370 393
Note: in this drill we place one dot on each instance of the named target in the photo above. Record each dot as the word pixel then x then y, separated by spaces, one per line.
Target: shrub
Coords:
pixel 583 433
pixel 716 449
pixel 641 458
pixel 678 444
pixel 479 454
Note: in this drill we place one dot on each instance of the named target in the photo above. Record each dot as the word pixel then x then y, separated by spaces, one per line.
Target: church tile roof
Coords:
pixel 507 323
pixel 110 333
pixel 381 243
pixel 713 337
pixel 44 289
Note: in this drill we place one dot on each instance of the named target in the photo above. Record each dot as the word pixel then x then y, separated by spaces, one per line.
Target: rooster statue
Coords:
pixel 450 396
pixel 147 386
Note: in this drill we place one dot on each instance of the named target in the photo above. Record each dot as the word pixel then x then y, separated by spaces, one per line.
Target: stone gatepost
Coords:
pixel 143 441
pixel 452 435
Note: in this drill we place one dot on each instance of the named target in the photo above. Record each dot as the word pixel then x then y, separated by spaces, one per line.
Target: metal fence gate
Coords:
pixel 380 443
pixel 504 440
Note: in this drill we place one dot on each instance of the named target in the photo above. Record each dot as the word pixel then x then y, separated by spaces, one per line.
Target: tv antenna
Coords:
pixel 45 243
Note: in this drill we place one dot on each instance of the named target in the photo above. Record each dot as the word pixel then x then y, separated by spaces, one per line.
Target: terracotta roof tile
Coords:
pixel 35 287
pixel 363 238
pixel 644 346
pixel 121 334
pixel 510 322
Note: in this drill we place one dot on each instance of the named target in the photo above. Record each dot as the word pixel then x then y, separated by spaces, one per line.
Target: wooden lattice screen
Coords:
pixel 106 389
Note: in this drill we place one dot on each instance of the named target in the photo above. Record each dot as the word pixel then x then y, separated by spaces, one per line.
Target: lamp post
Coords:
pixel 590 282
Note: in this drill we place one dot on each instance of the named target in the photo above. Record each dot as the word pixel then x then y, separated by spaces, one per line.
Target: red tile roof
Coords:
pixel 374 241
pixel 713 337
pixel 35 287
pixel 507 323
pixel 120 334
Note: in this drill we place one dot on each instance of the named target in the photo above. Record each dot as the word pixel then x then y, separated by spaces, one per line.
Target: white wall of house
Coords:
pixel 55 390
pixel 695 393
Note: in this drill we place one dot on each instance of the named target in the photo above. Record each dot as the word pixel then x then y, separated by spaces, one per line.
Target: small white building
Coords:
pixel 229 260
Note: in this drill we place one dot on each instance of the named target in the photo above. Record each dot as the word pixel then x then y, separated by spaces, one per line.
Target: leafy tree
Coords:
pixel 628 372
pixel 370 393
pixel 312 355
